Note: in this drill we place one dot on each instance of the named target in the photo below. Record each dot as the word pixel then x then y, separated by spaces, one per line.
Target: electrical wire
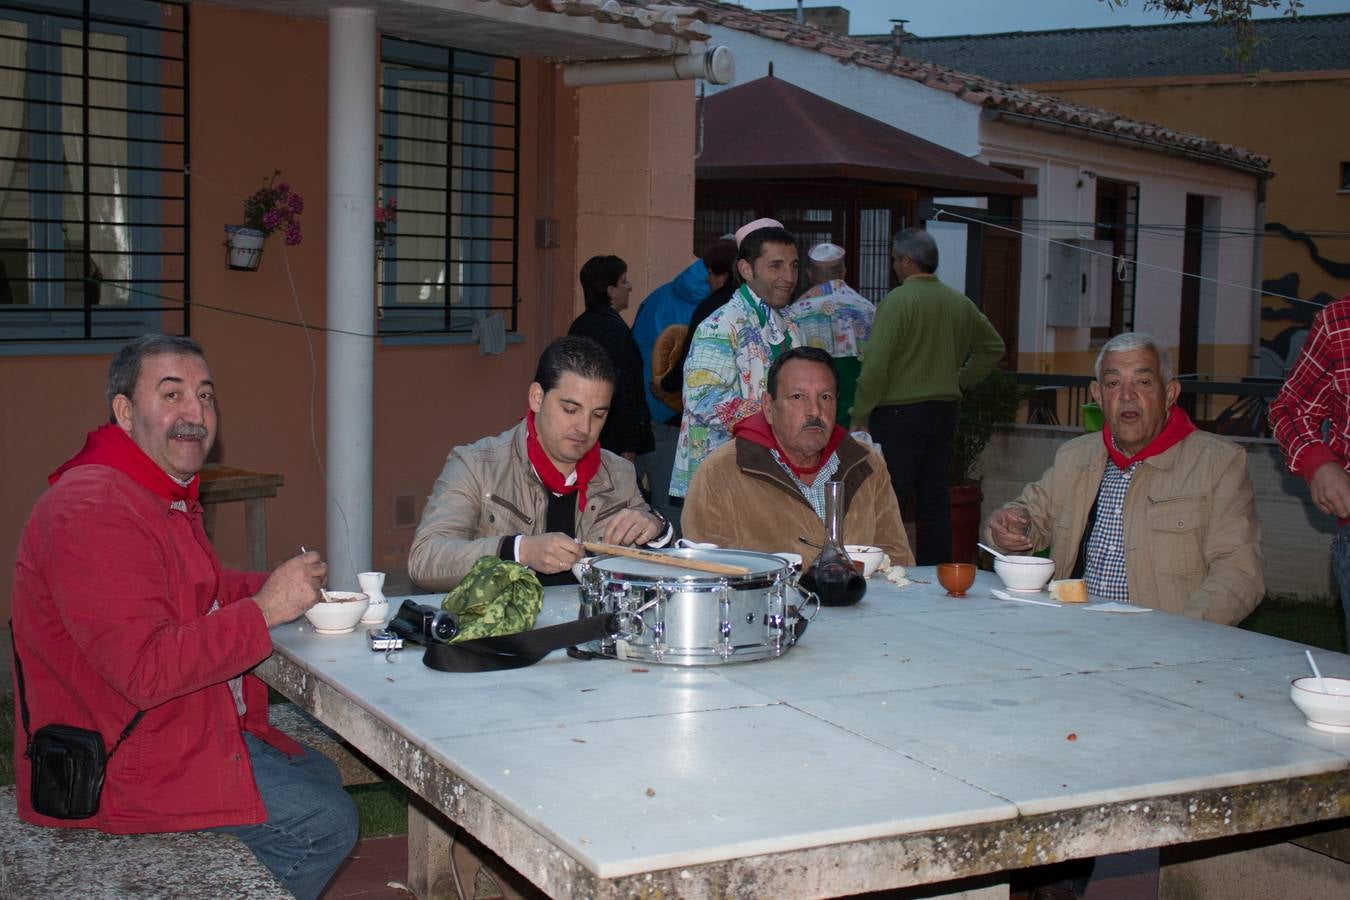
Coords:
pixel 940 214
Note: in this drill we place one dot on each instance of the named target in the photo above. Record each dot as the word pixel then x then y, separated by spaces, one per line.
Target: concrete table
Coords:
pixel 226 484
pixel 914 739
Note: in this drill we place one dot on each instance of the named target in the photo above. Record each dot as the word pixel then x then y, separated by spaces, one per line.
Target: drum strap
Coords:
pixel 515 651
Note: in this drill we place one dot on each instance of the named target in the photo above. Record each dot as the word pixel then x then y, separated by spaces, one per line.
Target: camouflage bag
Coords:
pixel 496 597
pixel 496 605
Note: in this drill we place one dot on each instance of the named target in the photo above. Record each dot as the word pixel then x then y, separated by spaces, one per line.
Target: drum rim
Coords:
pixel 691 576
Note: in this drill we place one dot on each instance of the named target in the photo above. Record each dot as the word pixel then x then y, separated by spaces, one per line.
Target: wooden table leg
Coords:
pixel 255 533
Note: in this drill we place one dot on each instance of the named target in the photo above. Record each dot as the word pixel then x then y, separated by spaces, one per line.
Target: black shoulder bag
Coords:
pixel 68 763
pixel 433 628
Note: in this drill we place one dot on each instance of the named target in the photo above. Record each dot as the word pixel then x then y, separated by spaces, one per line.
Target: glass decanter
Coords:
pixel 832 576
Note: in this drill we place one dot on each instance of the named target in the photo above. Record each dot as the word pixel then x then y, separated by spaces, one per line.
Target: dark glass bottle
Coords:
pixel 832 576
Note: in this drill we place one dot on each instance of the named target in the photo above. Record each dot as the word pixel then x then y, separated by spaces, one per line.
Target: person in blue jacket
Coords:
pixel 673 303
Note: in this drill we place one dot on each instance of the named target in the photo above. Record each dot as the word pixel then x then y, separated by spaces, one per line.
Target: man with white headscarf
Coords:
pixel 726 372
pixel 835 318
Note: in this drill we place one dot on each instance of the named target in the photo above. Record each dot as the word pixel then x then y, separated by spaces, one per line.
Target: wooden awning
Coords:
pixel 771 129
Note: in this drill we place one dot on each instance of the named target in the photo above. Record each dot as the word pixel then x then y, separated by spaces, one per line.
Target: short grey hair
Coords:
pixel 1137 340
pixel 919 246
pixel 125 369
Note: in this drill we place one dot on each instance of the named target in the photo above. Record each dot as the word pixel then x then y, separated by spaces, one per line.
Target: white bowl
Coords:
pixel 870 557
pixel 1024 573
pixel 339 613
pixel 1329 711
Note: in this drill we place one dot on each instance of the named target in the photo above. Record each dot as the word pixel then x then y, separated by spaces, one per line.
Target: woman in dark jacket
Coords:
pixel 604 283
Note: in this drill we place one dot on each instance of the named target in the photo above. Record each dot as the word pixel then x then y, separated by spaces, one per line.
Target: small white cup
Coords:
pixel 372 583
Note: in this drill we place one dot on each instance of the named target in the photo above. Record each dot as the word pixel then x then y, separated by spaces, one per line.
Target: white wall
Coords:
pixel 1064 208
pixel 1055 163
pixel 931 114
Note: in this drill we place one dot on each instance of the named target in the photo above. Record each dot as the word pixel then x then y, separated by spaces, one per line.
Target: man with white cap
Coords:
pixel 835 318
pixel 726 372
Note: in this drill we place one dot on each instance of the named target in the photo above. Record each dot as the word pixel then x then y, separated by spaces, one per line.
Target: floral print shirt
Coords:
pixel 725 376
pixel 833 317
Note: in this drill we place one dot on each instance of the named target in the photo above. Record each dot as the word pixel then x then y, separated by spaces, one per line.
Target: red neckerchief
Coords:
pixel 1178 426
pixel 554 480
pixel 112 447
pixel 757 430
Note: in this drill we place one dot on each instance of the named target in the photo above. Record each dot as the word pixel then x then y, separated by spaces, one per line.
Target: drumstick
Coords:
pixel 677 561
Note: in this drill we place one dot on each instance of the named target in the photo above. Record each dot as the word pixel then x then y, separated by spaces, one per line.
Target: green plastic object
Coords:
pixel 496 597
pixel 1092 417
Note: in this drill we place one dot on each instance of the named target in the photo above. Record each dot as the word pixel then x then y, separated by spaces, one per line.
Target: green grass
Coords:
pixel 1315 620
pixel 382 808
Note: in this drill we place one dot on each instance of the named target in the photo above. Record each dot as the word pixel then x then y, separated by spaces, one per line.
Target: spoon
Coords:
pixel 1321 685
pixel 993 552
pixel 322 592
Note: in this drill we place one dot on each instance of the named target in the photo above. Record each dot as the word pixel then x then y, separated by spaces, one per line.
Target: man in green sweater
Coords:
pixel 929 343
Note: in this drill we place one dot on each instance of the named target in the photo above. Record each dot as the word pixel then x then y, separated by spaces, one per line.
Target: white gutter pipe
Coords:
pixel 716 65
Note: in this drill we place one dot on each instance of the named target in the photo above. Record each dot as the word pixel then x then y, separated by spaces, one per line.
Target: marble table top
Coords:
pixel 911 713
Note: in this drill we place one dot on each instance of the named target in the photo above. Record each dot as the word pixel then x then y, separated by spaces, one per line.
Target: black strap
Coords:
pixel 515 651
pixel 23 700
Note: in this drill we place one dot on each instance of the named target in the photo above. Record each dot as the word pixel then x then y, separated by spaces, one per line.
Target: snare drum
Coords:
pixel 685 617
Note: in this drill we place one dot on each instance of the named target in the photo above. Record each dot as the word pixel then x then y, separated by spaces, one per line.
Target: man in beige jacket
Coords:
pixel 536 491
pixel 765 489
pixel 1150 511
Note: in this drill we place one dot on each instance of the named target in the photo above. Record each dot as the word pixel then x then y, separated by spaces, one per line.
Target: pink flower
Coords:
pixel 293 234
pixel 271 220
pixel 296 203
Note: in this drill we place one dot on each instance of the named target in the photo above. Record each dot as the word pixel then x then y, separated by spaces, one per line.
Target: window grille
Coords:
pixel 93 156
pixel 449 154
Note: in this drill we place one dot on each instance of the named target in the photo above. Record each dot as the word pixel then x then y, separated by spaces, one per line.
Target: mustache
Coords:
pixel 188 431
pixel 813 422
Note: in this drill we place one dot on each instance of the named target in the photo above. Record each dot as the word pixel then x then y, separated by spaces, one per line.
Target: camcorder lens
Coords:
pixel 443 627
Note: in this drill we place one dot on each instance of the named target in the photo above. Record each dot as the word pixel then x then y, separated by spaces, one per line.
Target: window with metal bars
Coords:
pixel 93 156
pixel 449 156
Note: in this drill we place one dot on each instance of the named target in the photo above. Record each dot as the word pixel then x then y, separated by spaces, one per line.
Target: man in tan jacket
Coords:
pixel 1150 511
pixel 535 492
pixel 765 489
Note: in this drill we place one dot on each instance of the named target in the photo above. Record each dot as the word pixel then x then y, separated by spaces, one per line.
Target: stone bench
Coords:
pixel 38 862
pixel 300 725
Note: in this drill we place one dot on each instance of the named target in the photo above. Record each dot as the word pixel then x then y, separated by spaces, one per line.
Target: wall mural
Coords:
pixel 1279 352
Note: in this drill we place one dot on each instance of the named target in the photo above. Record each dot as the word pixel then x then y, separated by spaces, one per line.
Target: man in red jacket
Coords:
pixel 1316 395
pixel 121 608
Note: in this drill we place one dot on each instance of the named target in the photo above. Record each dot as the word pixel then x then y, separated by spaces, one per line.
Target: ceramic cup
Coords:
pixel 956 578
pixel 372 583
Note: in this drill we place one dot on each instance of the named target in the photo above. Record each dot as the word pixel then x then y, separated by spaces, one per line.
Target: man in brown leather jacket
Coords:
pixel 538 490
pixel 1150 511
pixel 765 489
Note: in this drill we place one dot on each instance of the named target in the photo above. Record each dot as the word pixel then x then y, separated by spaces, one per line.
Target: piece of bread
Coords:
pixel 1069 590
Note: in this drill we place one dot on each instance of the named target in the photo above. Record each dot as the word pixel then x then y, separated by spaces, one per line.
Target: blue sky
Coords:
pixel 930 18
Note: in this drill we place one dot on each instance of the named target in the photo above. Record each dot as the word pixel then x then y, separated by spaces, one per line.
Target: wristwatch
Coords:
pixel 665 525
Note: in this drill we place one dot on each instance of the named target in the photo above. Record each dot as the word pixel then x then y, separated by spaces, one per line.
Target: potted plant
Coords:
pixel 987 407
pixel 272 207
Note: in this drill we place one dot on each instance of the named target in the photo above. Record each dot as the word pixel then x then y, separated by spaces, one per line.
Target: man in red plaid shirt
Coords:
pixel 1318 391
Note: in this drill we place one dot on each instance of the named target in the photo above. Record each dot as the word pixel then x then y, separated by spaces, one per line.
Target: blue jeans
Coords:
pixel 657 466
pixel 311 821
pixel 1340 564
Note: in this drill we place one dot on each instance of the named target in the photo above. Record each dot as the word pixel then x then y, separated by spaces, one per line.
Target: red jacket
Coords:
pixel 113 597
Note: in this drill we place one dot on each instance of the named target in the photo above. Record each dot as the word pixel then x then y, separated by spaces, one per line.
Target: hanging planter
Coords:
pixel 243 247
pixel 272 207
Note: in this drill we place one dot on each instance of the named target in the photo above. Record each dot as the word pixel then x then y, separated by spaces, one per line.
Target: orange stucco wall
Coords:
pixel 248 120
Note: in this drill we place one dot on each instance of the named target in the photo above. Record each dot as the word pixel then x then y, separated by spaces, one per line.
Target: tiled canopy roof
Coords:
pixel 660 16
pixel 998 99
pixel 1304 44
